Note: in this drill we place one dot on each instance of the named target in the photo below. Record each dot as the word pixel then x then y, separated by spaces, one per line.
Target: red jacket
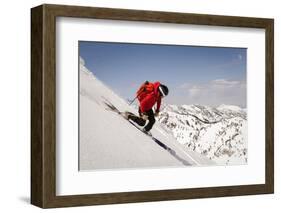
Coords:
pixel 148 99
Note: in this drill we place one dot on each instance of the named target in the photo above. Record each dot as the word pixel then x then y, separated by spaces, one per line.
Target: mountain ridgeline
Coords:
pixel 218 133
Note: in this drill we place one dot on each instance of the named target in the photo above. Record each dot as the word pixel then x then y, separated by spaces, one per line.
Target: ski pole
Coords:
pixel 133 100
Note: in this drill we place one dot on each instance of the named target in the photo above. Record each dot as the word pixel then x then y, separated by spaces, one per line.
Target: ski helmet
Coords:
pixel 163 90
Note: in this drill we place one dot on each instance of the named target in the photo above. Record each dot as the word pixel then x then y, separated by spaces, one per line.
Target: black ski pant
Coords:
pixel 141 122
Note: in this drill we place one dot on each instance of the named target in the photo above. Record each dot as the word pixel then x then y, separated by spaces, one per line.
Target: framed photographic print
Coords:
pixel 136 106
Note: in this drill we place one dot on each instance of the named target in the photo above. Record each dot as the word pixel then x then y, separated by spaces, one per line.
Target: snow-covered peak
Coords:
pixel 83 68
pixel 81 61
pixel 219 133
pixel 229 107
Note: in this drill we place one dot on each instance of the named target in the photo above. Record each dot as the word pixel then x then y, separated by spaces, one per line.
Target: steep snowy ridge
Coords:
pixel 218 133
pixel 108 141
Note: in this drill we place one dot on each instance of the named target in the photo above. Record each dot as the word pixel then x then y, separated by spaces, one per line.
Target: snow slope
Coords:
pixel 108 141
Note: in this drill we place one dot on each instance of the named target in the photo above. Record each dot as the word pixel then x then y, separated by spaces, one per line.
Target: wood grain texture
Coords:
pixel 269 106
pixel 156 16
pixel 43 105
pixel 36 106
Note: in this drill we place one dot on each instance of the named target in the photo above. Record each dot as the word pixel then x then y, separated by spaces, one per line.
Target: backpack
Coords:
pixel 145 88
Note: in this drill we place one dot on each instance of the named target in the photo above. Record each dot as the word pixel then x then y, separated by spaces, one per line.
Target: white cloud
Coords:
pixel 215 92
pixel 224 82
pixel 239 56
pixel 195 90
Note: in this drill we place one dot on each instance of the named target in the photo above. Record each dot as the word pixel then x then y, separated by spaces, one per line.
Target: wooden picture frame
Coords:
pixel 43 105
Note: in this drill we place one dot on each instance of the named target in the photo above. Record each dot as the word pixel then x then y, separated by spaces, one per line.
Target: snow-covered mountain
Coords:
pixel 108 141
pixel 218 133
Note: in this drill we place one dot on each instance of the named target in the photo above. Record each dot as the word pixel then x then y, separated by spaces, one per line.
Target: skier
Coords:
pixel 148 95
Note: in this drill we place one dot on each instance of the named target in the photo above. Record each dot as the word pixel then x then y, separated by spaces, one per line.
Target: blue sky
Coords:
pixel 195 75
